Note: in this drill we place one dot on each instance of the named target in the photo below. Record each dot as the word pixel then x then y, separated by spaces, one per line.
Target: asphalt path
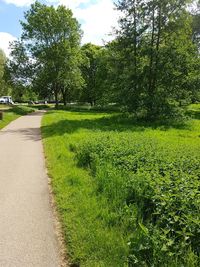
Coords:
pixel 27 232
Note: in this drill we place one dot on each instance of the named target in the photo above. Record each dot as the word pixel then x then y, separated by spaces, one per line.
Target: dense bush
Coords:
pixel 152 191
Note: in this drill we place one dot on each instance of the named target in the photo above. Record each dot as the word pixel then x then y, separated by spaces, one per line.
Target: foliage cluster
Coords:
pixel 151 66
pixel 47 57
pixel 4 87
pixel 157 60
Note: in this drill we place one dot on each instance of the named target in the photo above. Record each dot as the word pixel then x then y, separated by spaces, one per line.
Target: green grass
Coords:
pixel 127 192
pixel 12 113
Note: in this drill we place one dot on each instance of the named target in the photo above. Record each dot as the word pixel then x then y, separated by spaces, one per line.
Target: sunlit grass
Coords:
pixel 92 235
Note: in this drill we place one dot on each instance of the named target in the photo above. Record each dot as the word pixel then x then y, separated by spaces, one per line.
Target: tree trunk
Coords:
pixel 135 38
pixel 157 49
pixel 56 95
pixel 135 49
pixel 64 100
pixel 150 89
pixel 64 96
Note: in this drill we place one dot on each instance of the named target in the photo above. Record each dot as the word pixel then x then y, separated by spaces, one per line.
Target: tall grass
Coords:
pixel 127 192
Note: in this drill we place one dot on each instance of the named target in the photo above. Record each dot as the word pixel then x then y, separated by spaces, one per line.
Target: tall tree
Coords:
pixel 89 68
pixel 2 63
pixel 128 48
pixel 19 71
pixel 51 40
pixel 147 30
pixel 3 85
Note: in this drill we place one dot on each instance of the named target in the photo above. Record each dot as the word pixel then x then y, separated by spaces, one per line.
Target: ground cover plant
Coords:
pixel 12 113
pixel 127 192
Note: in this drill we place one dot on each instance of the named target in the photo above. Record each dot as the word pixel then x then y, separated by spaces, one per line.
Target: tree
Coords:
pixel 129 49
pixel 19 70
pixel 2 63
pixel 3 86
pixel 148 44
pixel 94 73
pixel 179 62
pixel 51 41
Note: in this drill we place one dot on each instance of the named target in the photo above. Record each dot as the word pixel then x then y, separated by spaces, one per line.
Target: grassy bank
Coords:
pixel 127 192
pixel 12 113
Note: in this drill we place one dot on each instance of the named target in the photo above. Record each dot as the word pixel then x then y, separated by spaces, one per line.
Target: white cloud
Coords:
pixel 19 3
pixel 98 19
pixel 73 3
pixel 5 39
pixel 70 3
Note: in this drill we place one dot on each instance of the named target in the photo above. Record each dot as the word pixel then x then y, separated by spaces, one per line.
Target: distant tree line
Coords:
pixel 151 67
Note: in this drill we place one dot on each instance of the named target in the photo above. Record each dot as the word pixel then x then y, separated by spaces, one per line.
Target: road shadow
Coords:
pixel 32 134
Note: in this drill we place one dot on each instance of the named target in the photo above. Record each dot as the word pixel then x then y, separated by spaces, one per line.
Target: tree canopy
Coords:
pixel 151 67
pixel 158 59
pixel 49 50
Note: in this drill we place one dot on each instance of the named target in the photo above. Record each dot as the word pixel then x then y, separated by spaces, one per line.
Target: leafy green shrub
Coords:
pixel 152 191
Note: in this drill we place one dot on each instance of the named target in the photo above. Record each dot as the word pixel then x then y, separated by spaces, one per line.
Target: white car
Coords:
pixel 2 101
pixel 6 100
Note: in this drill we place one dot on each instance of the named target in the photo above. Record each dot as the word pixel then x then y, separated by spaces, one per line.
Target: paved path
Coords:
pixel 27 234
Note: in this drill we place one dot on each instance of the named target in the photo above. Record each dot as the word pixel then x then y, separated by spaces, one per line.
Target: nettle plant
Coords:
pixel 153 190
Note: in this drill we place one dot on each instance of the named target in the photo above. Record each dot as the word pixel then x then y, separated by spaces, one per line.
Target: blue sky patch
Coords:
pixel 9 18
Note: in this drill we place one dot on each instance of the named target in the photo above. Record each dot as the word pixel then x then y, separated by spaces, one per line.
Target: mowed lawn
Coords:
pixel 12 113
pixel 127 192
pixel 8 116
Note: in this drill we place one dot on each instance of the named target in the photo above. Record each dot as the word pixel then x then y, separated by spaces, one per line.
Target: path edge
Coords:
pixel 57 224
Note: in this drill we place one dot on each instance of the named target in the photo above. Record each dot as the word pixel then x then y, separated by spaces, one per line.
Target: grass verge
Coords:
pixel 12 113
pixel 127 192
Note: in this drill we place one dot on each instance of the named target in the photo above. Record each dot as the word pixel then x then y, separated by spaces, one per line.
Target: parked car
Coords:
pixel 6 100
pixel 2 101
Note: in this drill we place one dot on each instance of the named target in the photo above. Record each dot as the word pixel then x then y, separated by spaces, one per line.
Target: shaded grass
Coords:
pixel 88 107
pixel 92 235
pixel 41 106
pixel 96 121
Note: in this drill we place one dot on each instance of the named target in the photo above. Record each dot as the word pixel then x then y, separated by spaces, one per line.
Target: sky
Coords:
pixel 97 18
